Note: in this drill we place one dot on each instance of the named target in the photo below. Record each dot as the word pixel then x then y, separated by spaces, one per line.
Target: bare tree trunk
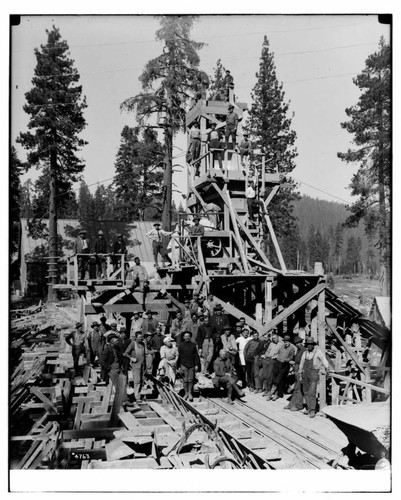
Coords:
pixel 53 257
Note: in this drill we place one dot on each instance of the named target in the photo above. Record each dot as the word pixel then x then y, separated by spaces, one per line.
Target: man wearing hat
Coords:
pixel 82 246
pixel 297 399
pixel 230 345
pixel 101 251
pixel 119 249
pixel 264 379
pixel 214 143
pixel 205 344
pixel 188 362
pixel 111 362
pixel 231 126
pixel 96 342
pixel 281 368
pixel 218 321
pixel 242 341
pixel 228 82
pixel 192 326
pixel 224 376
pixel 150 323
pixel 136 324
pixel 136 352
pixel 194 146
pixel 168 360
pixel 156 237
pixel 244 148
pixel 251 350
pixel 186 313
pixel 78 340
pixel 312 362
pixel 140 275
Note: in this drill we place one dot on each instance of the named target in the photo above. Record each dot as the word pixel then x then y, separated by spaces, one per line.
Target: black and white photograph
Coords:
pixel 200 253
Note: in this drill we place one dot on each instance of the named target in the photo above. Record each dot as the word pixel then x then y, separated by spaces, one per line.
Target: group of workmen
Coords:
pixel 200 339
pixel 215 141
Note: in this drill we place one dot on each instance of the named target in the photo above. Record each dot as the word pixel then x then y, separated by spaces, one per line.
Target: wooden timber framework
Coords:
pixel 230 262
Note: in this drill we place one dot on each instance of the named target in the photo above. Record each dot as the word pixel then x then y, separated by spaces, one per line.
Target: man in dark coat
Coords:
pixel 82 246
pixel 223 376
pixel 297 399
pixel 119 248
pixel 101 260
pixel 188 363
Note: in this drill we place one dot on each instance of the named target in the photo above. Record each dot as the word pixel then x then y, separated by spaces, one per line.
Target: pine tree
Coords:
pixel 139 174
pixel 217 89
pixel 55 106
pixel 312 249
pixel 168 82
pixel 269 125
pixel 86 210
pixel 15 169
pixel 370 124
pixel 338 245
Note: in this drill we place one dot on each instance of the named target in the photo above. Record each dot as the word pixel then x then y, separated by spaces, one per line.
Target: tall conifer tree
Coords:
pixel 370 124
pixel 269 125
pixel 55 106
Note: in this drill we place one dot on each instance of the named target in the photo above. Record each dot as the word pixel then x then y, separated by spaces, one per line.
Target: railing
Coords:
pixel 348 389
pixel 115 267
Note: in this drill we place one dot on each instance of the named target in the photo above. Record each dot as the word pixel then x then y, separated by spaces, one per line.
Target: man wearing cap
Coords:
pixel 139 275
pixel 96 342
pixel 136 324
pixel 187 310
pixel 150 323
pixel 281 368
pixel 195 232
pixel 312 363
pixel 123 342
pixel 82 246
pixel 194 146
pixel 224 376
pixel 177 327
pixel 119 249
pixel 113 328
pixel 78 340
pixel 168 360
pixel 231 126
pixel 264 342
pixel 194 305
pixel 205 344
pixel 101 251
pixel 297 399
pixel 188 362
pixel 251 349
pixel 136 352
pixel 156 237
pixel 229 345
pixel 238 329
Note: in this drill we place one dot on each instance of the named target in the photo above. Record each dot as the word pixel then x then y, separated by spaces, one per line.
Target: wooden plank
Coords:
pixel 348 350
pixel 117 449
pixel 237 313
pixel 130 463
pixel 166 416
pixel 129 420
pixel 48 405
pixel 102 433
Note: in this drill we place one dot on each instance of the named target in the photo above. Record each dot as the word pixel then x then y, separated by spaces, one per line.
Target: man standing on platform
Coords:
pixel 111 361
pixel 242 341
pixel 119 248
pixel 188 363
pixel 231 126
pixel 268 359
pixel 96 343
pixel 82 246
pixel 139 275
pixel 101 260
pixel 156 237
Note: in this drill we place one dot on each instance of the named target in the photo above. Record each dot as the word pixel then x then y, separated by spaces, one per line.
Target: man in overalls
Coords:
pixel 312 362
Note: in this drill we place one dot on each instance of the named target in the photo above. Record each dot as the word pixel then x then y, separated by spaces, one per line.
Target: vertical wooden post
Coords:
pixel 322 344
pixel 75 270
pixel 268 301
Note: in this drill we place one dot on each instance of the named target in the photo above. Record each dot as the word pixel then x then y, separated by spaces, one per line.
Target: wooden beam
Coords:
pixel 346 347
pixel 293 307
pixel 321 330
pixel 360 383
pixel 47 404
pixel 237 313
pixel 166 416
pixel 275 243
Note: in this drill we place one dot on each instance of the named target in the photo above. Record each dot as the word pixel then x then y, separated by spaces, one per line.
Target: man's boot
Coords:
pixel 190 387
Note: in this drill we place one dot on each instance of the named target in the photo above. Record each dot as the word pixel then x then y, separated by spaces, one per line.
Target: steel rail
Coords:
pixel 308 457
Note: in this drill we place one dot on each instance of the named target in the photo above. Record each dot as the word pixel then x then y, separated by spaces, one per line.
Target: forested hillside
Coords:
pixel 321 237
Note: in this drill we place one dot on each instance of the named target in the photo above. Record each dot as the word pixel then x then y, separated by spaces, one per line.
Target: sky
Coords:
pixel 316 57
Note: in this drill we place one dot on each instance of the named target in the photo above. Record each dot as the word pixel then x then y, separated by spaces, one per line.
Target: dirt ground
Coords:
pixel 359 291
